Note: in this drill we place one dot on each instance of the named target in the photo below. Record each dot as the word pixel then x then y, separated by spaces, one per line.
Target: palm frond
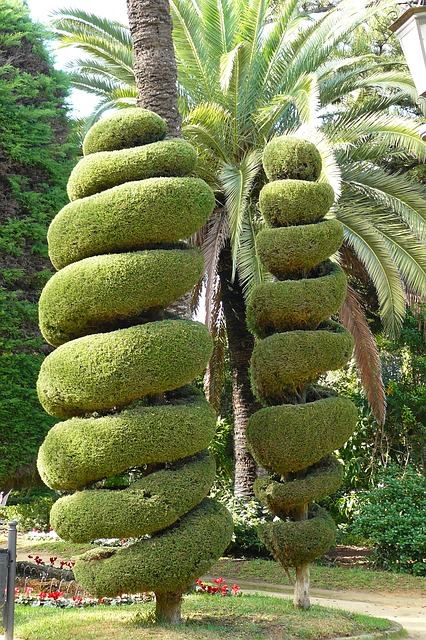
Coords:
pixel 237 182
pixel 373 252
pixel 366 354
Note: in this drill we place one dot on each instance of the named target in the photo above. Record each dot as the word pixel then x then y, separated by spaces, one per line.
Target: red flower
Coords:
pixel 53 560
pixel 55 595
pixel 218 580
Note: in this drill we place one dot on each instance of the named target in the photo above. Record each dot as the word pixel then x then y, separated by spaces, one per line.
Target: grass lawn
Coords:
pixel 323 577
pixel 207 617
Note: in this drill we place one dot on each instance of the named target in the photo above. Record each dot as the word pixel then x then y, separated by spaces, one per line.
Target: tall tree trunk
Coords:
pixel 155 70
pixel 240 342
pixel 154 59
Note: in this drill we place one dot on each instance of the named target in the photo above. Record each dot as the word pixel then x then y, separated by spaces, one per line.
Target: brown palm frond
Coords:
pixel 216 233
pixel 366 354
pixel 196 296
pixel 214 378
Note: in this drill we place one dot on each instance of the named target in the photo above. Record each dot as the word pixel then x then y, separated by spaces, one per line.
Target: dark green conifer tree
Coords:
pixel 35 155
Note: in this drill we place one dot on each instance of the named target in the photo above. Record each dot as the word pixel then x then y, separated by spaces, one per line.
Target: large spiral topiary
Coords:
pixel 120 371
pixel 294 435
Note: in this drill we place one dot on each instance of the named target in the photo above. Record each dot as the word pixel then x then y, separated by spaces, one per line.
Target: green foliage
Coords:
pixel 94 447
pixel 146 506
pixel 248 516
pixel 135 127
pixel 302 303
pixel 99 171
pixel 339 84
pixel 142 360
pixel 168 561
pixel 318 481
pixel 298 249
pixel 288 438
pixel 284 363
pixel 131 355
pixel 296 159
pixel 402 438
pixel 295 543
pixel 130 216
pixel 285 202
pixel 103 290
pixel 392 516
pixel 295 438
pixel 30 515
pixel 35 152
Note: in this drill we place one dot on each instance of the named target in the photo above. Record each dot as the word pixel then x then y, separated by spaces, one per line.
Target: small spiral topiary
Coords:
pixel 120 373
pixel 294 435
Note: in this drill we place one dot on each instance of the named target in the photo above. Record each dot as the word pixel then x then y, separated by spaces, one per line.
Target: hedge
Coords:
pixel 294 202
pixel 80 451
pixel 102 371
pixel 291 437
pixel 148 505
pixel 130 216
pixel 295 251
pixel 285 362
pixel 291 158
pixel 131 127
pixel 296 543
pixel 304 303
pixel 310 485
pixel 167 562
pixel 99 292
pixel 99 171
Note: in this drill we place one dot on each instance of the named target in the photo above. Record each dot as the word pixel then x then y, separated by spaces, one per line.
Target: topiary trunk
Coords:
pixel 120 373
pixel 294 435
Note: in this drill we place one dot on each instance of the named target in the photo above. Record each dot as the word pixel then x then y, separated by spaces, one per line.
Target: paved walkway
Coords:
pixel 408 611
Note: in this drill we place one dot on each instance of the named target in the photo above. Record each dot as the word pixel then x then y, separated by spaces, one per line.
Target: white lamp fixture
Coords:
pixel 410 29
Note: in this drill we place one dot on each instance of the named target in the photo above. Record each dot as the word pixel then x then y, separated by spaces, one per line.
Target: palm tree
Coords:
pixel 154 63
pixel 251 69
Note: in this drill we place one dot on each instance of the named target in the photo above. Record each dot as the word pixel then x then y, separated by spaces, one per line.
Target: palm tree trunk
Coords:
pixel 154 64
pixel 240 343
pixel 154 59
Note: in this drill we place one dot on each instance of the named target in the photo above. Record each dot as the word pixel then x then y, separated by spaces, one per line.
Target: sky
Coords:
pixel 81 103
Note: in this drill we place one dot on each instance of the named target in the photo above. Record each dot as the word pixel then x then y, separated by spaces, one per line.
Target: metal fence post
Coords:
pixel 11 575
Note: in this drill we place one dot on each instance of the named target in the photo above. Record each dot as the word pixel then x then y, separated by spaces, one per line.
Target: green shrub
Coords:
pixel 30 515
pixel 318 481
pixel 130 128
pixel 295 202
pixel 98 292
pixel 291 158
pixel 107 370
pixel 288 438
pixel 129 216
pixel 303 303
pixel 296 250
pixel 99 171
pixel 146 506
pixel 295 543
pixel 167 562
pixel 392 517
pixel 285 362
pixel 98 446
